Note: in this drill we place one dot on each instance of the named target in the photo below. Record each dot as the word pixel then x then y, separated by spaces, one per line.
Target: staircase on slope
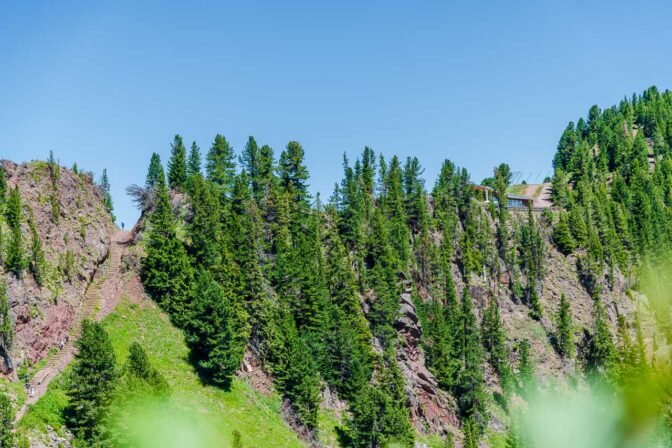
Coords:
pixel 87 310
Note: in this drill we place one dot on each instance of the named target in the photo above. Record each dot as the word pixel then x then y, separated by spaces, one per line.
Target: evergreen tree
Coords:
pixel 494 341
pixel 91 384
pixel 379 413
pixel 565 333
pixel 139 368
pixel 221 165
pixel 37 263
pixel 393 205
pixel 204 230
pixel 526 379
pixel 250 162
pixel 265 178
pixel 3 189
pixel 293 173
pixel 7 438
pixel 296 372
pixel 177 165
pixel 166 271
pixel 218 329
pixel 13 212
pixel 155 174
pixel 562 236
pixel 601 350
pixel 6 325
pixel 381 278
pixel 107 196
pixel 471 400
pixel 194 164
pixel 15 259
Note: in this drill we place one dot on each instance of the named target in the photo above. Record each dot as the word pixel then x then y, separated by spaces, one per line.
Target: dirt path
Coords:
pixel 99 300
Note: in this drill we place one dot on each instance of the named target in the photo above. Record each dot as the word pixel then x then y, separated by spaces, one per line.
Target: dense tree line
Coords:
pixel 255 262
pixel 314 288
pixel 613 183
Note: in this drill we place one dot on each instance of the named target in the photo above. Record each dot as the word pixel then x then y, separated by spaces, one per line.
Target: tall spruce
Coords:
pixel 194 163
pixel 218 329
pixel 107 195
pixel 37 263
pixel 6 326
pixel 7 437
pixel 494 341
pixel 469 391
pixel 293 173
pixel 565 332
pixel 91 384
pixel 177 165
pixel 155 174
pixel 220 164
pixel 15 259
pixel 166 271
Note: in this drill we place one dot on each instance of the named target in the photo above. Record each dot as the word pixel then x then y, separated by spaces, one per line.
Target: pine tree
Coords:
pixel 37 263
pixel 221 166
pixel 138 367
pixel 526 379
pixel 204 230
pixel 7 438
pixel 194 164
pixel 6 325
pixel 105 189
pixel 562 236
pixel 15 259
pixel 294 174
pixel 177 165
pixel 393 204
pixel 218 329
pixel 250 162
pixel 91 384
pixel 601 350
pixel 380 277
pixel 627 352
pixel 379 413
pixel 564 333
pixel 471 400
pixel 155 174
pixel 265 179
pixel 13 212
pixel 296 372
pixel 3 189
pixel 166 271
pixel 494 341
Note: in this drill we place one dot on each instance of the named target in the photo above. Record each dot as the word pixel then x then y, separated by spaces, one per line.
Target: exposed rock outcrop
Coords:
pixel 432 409
pixel 74 228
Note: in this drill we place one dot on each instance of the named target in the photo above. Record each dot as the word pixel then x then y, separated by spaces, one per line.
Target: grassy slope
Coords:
pixel 219 413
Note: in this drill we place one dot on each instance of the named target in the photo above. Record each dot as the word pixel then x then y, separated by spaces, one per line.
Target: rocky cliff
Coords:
pixel 74 228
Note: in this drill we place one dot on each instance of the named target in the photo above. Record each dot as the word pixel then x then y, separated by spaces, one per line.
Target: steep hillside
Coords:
pixel 197 415
pixel 67 214
pixel 435 313
pixel 393 314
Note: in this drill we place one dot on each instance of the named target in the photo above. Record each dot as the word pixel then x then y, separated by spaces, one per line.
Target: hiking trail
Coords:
pixel 104 287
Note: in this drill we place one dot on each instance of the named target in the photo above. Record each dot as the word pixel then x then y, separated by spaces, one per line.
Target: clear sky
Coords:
pixel 106 84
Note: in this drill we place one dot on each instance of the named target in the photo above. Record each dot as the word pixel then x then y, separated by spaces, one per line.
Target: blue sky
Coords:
pixel 106 84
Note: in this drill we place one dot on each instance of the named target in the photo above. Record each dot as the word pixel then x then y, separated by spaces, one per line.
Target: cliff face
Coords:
pixel 74 228
pixel 434 411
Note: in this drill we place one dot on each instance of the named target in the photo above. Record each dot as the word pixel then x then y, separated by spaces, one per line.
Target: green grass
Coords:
pixel 214 411
pixel 517 189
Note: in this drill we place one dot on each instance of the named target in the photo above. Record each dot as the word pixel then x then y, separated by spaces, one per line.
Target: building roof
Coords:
pixel 522 197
